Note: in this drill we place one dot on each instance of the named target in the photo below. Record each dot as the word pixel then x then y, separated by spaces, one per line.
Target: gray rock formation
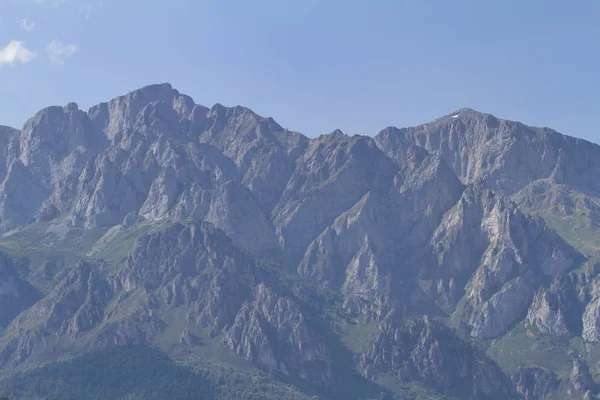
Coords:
pixel 546 173
pixel 53 144
pixel 272 332
pixel 333 174
pixel 235 211
pixel 580 379
pixel 507 155
pixel 16 294
pixel 76 305
pixel 196 266
pixel 509 254
pixel 151 220
pixel 427 351
pixel 366 247
pixel 9 143
pixel 263 151
pixel 566 307
pixel 118 115
pixel 535 383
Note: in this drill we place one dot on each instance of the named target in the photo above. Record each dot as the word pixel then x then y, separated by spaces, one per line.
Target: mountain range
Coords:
pixel 154 247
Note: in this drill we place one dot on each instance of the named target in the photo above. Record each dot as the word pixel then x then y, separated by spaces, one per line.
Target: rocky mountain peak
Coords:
pixel 336 133
pixel 465 112
pixel 119 114
pixel 55 135
pixel 72 106
pixel 219 111
pixel 508 155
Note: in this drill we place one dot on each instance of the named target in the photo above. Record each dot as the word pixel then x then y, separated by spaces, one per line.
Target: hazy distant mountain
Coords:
pixel 450 260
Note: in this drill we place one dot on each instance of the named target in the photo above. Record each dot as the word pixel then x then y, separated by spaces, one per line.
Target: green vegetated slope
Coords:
pixel 142 373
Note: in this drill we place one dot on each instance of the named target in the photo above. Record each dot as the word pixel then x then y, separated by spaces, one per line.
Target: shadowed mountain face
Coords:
pixel 449 260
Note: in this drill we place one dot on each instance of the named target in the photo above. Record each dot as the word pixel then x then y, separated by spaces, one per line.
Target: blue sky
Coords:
pixel 312 65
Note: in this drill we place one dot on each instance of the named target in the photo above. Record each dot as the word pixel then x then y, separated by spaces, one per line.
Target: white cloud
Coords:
pixel 26 25
pixel 58 52
pixel 15 52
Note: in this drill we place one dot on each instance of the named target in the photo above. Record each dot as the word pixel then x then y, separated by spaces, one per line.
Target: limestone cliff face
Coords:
pixel 53 144
pixel 137 156
pixel 16 294
pixel 195 266
pixel 546 173
pixel 367 247
pixel 427 351
pixel 264 152
pixel 333 174
pixel 158 171
pixel 235 210
pixel 568 307
pixel 559 309
pixel 591 314
pixel 580 379
pixel 9 143
pixel 535 383
pixel 470 252
pixel 272 332
pixel 507 155
pixel 118 115
pixel 500 256
pixel 76 305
